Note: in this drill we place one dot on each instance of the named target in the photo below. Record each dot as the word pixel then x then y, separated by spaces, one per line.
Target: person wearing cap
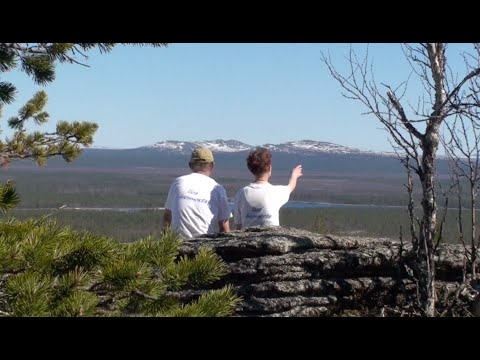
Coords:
pixel 196 204
pixel 259 203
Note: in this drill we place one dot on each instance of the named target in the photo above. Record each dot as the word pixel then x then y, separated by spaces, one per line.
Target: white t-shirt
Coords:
pixel 197 203
pixel 258 204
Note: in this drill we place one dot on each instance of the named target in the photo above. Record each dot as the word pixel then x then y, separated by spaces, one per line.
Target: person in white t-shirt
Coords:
pixel 196 204
pixel 258 203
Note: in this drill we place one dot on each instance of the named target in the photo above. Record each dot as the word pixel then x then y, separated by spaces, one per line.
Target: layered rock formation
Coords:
pixel 289 272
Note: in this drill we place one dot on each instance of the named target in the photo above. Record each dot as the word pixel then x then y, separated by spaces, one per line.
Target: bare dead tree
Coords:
pixel 415 131
pixel 462 147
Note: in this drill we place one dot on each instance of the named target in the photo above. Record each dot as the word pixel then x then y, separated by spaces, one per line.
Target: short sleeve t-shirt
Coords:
pixel 259 204
pixel 197 203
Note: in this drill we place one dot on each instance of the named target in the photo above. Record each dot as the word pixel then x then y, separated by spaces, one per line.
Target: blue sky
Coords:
pixel 254 93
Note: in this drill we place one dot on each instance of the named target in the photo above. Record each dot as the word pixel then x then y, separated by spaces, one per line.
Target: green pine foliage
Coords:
pixel 67 141
pixel 8 197
pixel 49 270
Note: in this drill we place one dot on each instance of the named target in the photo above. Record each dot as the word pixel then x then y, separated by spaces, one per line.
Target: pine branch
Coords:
pixel 49 270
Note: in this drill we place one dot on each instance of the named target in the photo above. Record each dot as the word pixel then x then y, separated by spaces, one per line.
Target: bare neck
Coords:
pixel 263 178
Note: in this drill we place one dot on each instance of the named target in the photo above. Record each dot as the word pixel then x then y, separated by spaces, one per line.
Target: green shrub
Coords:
pixel 50 270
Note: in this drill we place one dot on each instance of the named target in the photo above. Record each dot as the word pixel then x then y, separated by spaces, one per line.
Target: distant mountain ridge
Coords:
pixel 303 147
pixel 319 156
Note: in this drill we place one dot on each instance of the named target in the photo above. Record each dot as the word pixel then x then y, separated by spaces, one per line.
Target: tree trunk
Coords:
pixel 474 220
pixel 429 145
pixel 428 227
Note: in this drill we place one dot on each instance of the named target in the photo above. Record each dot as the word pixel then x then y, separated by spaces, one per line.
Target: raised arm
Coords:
pixel 296 173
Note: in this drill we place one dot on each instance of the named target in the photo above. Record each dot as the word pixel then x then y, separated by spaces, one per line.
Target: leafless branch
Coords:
pixel 411 203
pixel 457 88
pixel 442 223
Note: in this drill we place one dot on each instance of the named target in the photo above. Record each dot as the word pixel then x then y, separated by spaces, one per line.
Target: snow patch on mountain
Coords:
pixel 292 147
pixel 221 146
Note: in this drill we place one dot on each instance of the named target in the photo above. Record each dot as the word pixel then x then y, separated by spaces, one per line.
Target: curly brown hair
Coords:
pixel 258 160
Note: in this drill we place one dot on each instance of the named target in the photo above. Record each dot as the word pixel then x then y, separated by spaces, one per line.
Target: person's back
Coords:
pixel 258 203
pixel 196 204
